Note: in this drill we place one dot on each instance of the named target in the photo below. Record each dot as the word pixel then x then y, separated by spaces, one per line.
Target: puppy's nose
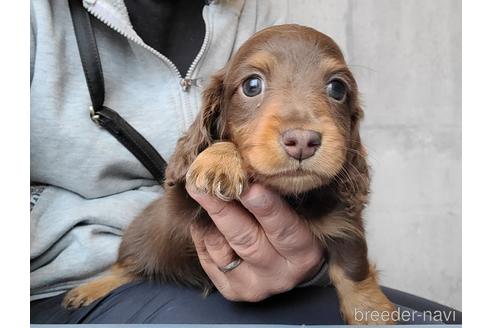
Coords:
pixel 301 144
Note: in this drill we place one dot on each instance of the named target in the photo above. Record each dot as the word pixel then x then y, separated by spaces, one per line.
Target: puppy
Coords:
pixel 284 112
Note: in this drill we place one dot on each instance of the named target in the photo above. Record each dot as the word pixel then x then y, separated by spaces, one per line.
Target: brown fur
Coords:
pixel 235 140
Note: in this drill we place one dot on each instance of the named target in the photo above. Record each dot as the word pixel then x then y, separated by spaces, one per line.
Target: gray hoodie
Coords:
pixel 90 186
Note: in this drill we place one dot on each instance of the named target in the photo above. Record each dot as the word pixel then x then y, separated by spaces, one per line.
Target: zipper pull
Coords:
pixel 187 83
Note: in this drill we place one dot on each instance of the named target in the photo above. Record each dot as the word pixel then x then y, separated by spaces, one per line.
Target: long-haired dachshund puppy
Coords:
pixel 284 112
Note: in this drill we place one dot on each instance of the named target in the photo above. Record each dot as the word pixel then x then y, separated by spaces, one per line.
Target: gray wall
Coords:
pixel 406 56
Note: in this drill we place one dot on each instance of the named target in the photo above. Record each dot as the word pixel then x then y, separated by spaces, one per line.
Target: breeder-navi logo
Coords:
pixel 403 315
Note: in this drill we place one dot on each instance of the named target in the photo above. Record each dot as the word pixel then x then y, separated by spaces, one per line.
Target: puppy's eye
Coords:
pixel 252 86
pixel 337 90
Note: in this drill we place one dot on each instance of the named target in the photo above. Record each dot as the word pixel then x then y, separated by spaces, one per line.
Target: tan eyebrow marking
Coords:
pixel 333 64
pixel 262 61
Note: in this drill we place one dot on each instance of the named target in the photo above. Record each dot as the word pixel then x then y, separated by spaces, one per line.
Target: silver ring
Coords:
pixel 231 266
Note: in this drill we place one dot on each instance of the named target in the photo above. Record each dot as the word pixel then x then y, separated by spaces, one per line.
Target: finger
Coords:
pixel 230 284
pixel 239 228
pixel 218 248
pixel 206 261
pixel 286 231
pixel 244 279
pixel 243 283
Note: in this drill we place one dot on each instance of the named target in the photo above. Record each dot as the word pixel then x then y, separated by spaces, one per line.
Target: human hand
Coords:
pixel 277 249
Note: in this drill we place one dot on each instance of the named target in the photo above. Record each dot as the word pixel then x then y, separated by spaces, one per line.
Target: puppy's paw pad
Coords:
pixel 217 173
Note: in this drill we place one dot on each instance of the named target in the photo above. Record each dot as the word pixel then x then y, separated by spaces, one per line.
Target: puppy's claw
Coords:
pixel 82 296
pixel 239 189
pixel 74 300
pixel 218 171
pixel 220 194
pixel 228 195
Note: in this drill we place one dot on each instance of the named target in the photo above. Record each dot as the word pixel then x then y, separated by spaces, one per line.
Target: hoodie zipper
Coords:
pixel 185 82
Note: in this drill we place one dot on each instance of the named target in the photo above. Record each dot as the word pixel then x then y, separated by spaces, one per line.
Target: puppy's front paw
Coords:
pixel 81 296
pixel 218 171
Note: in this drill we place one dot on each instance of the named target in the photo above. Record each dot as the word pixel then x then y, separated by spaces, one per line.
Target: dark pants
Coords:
pixel 146 302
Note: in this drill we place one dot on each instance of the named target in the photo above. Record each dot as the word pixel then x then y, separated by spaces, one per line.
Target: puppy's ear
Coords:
pixel 211 116
pixel 208 127
pixel 356 180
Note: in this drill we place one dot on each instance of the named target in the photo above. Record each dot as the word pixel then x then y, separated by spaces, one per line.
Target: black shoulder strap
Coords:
pixel 104 116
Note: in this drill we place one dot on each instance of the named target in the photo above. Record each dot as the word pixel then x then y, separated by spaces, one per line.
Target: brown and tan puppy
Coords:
pixel 284 112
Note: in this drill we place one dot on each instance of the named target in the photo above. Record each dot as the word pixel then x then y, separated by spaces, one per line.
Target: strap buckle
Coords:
pixel 94 116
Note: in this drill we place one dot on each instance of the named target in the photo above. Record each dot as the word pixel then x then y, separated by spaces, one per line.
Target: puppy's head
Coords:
pixel 289 102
